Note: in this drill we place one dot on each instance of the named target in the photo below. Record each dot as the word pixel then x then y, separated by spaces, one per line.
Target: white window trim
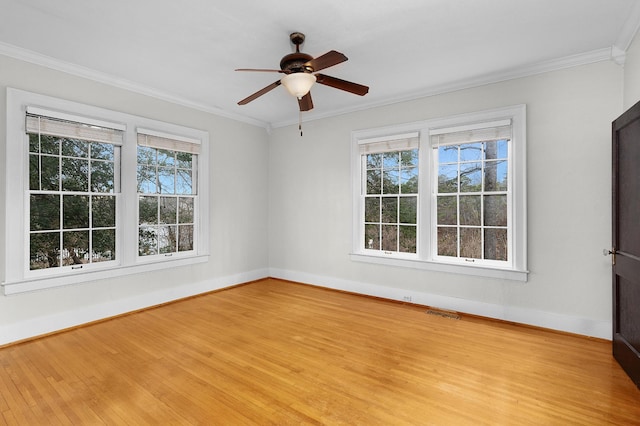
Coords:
pixel 17 278
pixel 424 259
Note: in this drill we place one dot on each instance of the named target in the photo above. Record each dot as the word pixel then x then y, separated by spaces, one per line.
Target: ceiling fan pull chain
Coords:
pixel 300 122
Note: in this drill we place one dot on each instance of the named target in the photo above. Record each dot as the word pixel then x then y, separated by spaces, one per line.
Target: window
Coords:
pixel 75 171
pixel 390 195
pixel 446 194
pixel 167 194
pixel 72 186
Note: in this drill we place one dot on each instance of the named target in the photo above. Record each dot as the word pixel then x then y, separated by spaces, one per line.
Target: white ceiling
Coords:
pixel 186 51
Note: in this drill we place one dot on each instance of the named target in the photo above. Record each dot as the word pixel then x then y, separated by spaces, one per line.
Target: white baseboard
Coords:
pixel 550 320
pixel 51 323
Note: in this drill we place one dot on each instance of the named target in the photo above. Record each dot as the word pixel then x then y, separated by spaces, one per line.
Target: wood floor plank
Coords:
pixel 275 352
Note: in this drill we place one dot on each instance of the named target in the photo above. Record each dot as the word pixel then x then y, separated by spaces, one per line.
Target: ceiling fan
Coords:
pixel 301 72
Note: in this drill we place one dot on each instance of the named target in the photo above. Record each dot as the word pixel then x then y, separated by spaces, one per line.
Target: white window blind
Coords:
pixel 472 133
pixel 46 125
pixel 389 143
pixel 169 142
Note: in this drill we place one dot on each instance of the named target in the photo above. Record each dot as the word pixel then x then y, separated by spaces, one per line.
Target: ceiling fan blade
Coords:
pixel 259 70
pixel 347 86
pixel 327 60
pixel 260 93
pixel 306 103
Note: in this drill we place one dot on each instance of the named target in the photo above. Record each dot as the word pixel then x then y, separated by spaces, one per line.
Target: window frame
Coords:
pixel 425 258
pixel 17 277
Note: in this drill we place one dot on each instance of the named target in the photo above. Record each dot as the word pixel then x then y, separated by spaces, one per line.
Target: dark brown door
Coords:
pixel 626 241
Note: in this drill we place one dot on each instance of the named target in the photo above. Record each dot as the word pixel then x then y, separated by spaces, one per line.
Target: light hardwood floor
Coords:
pixel 274 352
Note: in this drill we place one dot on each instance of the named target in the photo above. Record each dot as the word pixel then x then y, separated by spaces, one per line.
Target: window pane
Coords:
pixel 102 176
pixel 167 239
pixel 372 237
pixel 390 182
pixel 34 172
pixel 471 177
pixel 102 151
pixel 495 175
pixel 75 247
pixel 491 150
pixel 495 244
pixel 184 184
pixel 103 209
pixel 470 210
pixel 104 245
pixel 408 209
pixel 448 154
pixel 391 160
pixel 44 250
pixel 147 179
pixel 374 183
pixel 409 158
pixel 166 180
pixel 495 210
pixel 447 211
pixel 50 173
pixel 372 209
pixel 184 160
pixel 75 174
pixel 49 144
pixel 374 161
pixel 448 178
pixel 185 239
pixel 75 148
pixel 185 214
pixel 409 181
pixel 390 237
pixel 408 239
pixel 147 241
pixel 447 241
pixel 148 210
pixel 34 143
pixel 471 151
pixel 166 158
pixel 502 148
pixel 389 210
pixel 146 155
pixel 75 211
pixel 168 210
pixel 44 212
pixel 471 243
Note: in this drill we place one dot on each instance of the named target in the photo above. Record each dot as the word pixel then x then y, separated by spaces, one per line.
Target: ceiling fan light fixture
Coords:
pixel 298 83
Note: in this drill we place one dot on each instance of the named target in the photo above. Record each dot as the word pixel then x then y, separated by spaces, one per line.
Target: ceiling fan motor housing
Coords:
pixel 294 62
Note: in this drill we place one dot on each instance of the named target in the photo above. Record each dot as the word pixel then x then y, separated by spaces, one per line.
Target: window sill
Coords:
pixel 70 278
pixel 479 271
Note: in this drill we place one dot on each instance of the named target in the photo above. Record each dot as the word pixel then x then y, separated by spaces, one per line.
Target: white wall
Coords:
pixel 632 74
pixel 238 223
pixel 569 114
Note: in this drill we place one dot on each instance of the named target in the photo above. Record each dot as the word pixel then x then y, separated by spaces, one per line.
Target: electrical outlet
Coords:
pixel 406 298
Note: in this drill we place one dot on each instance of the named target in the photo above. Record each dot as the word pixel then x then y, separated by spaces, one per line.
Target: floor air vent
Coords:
pixel 444 314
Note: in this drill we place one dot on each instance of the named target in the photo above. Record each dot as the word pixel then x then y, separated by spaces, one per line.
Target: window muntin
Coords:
pixel 472 200
pixel 391 201
pixel 96 126
pixel 166 199
pixel 72 186
pixel 483 211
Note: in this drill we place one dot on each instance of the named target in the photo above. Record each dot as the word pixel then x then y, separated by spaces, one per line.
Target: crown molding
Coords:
pixel 593 56
pixel 90 74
